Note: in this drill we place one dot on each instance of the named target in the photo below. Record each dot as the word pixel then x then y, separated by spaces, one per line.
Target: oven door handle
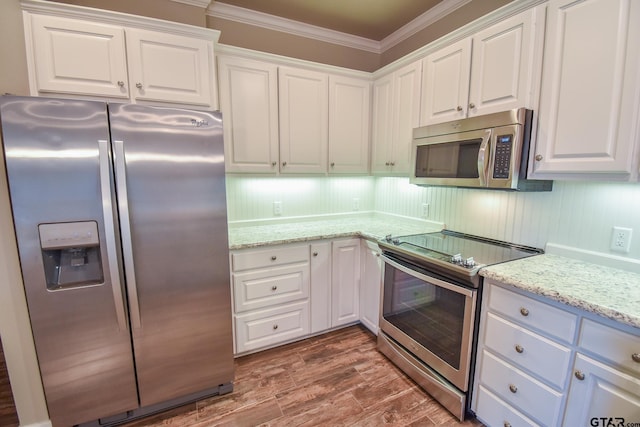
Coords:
pixel 441 283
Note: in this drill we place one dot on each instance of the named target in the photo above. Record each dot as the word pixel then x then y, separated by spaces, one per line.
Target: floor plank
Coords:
pixel 8 415
pixel 336 379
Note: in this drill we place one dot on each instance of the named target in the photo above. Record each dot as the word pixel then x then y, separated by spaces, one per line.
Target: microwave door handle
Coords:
pixel 483 158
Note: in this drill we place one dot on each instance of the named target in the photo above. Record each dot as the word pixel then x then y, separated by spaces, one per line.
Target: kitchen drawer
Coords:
pixel 265 328
pixel 492 411
pixel 538 355
pixel 520 390
pixel 265 288
pixel 269 257
pixel 533 314
pixel 611 344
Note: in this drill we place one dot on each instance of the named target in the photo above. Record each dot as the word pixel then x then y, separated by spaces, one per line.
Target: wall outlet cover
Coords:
pixel 621 239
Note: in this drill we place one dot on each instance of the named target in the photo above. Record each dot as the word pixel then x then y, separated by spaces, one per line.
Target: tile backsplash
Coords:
pixel 576 214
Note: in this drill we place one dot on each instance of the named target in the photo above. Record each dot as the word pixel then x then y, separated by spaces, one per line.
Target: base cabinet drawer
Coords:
pixel 618 347
pixel 520 390
pixel 268 327
pixel 498 413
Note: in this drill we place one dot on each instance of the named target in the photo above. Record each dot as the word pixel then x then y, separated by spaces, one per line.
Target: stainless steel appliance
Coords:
pixel 120 218
pixel 431 307
pixel 490 151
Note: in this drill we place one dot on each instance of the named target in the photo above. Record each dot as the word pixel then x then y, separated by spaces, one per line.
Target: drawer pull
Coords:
pixel 507 424
pixel 315 254
pixel 636 357
pixel 579 375
pixel 524 311
pixel 273 258
pixel 519 348
pixel 275 327
pixel 274 288
pixel 513 388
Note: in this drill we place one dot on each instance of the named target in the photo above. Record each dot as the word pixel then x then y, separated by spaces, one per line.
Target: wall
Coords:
pixel 15 329
pixel 576 214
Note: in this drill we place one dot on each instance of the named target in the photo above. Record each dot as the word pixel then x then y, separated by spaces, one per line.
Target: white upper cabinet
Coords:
pixel 169 67
pixel 349 122
pixel 304 111
pixel 79 52
pixel 590 102
pixel 496 69
pixel 249 104
pixel 76 57
pixel 396 112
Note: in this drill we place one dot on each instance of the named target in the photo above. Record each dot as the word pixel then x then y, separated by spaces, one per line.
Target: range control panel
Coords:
pixel 502 156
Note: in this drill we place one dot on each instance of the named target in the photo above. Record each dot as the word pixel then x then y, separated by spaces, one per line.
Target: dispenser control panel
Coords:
pixel 66 234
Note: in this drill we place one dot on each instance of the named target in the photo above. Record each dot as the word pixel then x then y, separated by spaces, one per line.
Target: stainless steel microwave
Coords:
pixel 490 151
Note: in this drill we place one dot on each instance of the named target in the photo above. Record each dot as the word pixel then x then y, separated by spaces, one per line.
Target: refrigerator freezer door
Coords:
pixel 172 205
pixel 81 335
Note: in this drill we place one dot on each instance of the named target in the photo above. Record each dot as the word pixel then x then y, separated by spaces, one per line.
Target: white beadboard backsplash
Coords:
pixel 575 214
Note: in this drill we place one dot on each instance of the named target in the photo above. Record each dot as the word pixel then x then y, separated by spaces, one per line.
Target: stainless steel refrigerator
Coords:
pixel 121 222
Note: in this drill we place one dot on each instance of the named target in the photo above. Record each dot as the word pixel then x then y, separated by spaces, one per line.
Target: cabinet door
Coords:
pixel 445 76
pixel 597 391
pixel 349 106
pixel 304 110
pixel 249 104
pixel 406 115
pixel 588 119
pixel 382 128
pixel 345 282
pixel 320 286
pixel 170 68
pixel 370 286
pixel 502 68
pixel 78 57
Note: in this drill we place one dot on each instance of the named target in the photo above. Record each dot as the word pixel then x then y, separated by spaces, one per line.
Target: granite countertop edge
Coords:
pixel 604 291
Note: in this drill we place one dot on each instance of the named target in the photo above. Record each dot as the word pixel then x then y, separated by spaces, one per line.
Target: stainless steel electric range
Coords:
pixel 431 308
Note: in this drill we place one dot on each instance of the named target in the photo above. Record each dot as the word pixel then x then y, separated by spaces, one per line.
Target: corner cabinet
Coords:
pixel 496 69
pixel 78 52
pixel 589 121
pixel 395 113
pixel 543 363
pixel 371 285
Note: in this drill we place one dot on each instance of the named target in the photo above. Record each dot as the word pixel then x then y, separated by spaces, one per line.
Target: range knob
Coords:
pixel 456 259
pixel 469 262
pixel 387 237
pixel 395 241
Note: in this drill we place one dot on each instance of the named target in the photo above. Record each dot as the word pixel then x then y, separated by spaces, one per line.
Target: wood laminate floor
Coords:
pixel 336 379
pixel 8 415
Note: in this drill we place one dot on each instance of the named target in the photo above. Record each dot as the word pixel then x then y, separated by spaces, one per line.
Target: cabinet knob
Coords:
pixel 315 254
pixel 459 108
pixel 120 83
pixel 524 311
pixel 539 157
pixel 333 164
pixel 506 424
pixel 284 164
pixel 386 164
pixel 579 375
pixel 139 85
pixel 635 357
pixel 275 327
pixel 392 163
pixel 513 388
pixel 274 288
pixel 273 164
pixel 519 348
pixel 472 105
pixel 273 258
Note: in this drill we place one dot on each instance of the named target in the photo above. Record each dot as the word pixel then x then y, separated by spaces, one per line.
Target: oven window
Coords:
pixel 448 160
pixel 431 315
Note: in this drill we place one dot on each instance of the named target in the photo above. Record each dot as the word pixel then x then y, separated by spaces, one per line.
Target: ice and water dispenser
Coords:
pixel 71 254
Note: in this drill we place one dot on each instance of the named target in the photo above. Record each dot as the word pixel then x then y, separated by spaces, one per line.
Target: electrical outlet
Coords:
pixel 356 204
pixel 425 210
pixel 621 239
pixel 277 208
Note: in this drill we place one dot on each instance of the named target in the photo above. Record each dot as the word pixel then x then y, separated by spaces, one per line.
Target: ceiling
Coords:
pixel 371 19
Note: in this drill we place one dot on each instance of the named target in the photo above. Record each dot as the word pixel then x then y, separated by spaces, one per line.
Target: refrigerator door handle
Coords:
pixel 125 234
pixel 110 235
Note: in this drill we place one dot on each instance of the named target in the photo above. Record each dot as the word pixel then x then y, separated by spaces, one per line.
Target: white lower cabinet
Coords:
pixel 548 364
pixel 287 292
pixel 370 285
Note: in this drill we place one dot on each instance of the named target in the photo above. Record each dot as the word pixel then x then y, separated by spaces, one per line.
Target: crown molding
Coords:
pixel 272 22
pixel 198 3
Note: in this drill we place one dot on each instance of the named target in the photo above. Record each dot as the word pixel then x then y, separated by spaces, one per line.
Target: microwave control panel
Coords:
pixel 502 156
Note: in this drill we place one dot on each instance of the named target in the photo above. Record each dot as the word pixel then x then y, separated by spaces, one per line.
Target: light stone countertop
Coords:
pixel 372 227
pixel 608 292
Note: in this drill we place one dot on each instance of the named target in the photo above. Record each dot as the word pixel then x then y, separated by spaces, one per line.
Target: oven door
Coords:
pixel 431 318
